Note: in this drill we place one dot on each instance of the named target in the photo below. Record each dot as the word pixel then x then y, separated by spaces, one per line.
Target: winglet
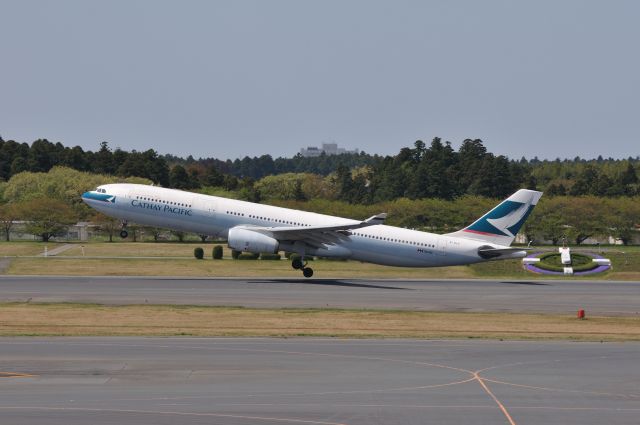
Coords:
pixel 376 219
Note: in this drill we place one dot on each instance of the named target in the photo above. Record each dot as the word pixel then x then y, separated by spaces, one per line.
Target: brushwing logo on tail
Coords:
pixel 504 220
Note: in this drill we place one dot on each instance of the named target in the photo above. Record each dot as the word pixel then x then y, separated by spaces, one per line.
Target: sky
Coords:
pixel 232 78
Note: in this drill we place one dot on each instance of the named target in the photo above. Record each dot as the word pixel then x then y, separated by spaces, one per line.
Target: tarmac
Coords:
pixel 546 296
pixel 240 381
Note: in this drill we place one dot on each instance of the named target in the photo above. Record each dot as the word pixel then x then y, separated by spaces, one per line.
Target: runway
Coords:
pixel 316 381
pixel 596 297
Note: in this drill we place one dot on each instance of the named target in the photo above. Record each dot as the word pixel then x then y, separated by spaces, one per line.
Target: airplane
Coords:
pixel 257 228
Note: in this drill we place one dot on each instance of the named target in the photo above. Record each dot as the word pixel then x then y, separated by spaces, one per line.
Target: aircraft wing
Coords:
pixel 318 235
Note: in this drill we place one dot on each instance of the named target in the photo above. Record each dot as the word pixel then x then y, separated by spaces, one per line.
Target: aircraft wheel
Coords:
pixel 296 263
pixel 124 234
pixel 307 272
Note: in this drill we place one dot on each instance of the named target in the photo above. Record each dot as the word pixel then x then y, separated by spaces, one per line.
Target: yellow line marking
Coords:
pixel 493 396
pixel 15 375
pixel 531 387
pixel 219 415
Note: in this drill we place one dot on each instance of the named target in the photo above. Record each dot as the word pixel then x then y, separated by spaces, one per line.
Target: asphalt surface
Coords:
pixel 316 381
pixel 600 298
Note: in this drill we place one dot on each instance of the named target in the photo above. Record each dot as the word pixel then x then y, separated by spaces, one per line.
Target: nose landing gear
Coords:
pixel 298 263
pixel 123 232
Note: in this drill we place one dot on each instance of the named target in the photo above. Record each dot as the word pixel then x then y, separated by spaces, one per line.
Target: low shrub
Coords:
pixel 306 258
pixel 217 252
pixel 235 254
pixel 198 253
pixel 267 256
pixel 585 267
pixel 248 256
pixel 579 262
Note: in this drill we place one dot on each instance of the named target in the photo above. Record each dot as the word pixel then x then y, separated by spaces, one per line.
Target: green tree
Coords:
pixel 106 225
pixel 179 234
pixel 103 161
pixel 628 180
pixel 155 233
pixel 584 216
pixel 298 193
pixel 61 183
pixel 622 215
pixel 439 161
pixel 18 165
pixel 297 186
pixel 556 189
pixel 42 156
pixel 586 182
pixel 145 164
pixel 75 158
pixel 9 213
pixel 179 178
pixel 345 183
pixel 47 217
pixel 230 182
pixel 213 177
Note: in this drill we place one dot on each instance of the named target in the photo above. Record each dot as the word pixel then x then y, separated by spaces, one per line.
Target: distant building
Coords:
pixel 327 148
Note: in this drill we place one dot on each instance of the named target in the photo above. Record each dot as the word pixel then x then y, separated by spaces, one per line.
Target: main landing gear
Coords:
pixel 123 232
pixel 298 263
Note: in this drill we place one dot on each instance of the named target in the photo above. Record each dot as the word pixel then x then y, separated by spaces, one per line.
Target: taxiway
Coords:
pixel 316 381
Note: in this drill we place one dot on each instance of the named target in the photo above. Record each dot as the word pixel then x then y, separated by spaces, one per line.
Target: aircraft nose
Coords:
pixel 86 196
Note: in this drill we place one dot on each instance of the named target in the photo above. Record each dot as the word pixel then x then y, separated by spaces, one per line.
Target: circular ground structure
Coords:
pixel 582 262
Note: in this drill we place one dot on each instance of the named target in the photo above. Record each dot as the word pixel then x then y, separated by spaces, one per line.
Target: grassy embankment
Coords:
pixel 18 319
pixel 176 259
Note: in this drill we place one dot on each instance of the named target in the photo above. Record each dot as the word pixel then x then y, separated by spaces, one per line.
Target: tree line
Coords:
pixel 418 172
pixel 432 187
pixel 50 202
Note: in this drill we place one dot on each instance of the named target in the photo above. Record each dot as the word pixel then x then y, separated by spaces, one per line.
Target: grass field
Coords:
pixel 12 249
pixel 176 259
pixel 219 268
pixel 158 320
pixel 137 249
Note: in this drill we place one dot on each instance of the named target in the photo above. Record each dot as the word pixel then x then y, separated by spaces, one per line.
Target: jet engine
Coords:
pixel 247 240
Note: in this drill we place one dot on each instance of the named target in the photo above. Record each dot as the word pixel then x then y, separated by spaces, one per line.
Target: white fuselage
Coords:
pixel 214 216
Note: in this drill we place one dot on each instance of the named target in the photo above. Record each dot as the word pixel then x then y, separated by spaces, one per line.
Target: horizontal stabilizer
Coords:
pixel 488 253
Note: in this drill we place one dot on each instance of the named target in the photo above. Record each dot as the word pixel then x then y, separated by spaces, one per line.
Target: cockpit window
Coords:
pixel 100 190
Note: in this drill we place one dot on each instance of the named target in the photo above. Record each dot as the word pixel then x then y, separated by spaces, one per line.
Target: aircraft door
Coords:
pixel 441 246
pixel 210 208
pixel 206 216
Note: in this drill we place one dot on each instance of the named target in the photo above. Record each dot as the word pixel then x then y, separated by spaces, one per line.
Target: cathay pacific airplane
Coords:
pixel 260 228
